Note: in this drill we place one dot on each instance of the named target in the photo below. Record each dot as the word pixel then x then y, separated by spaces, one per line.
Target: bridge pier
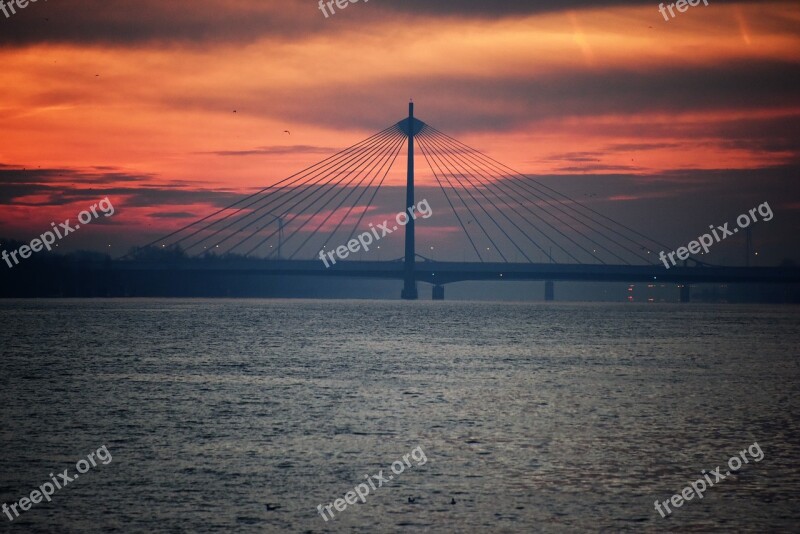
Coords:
pixel 686 292
pixel 409 291
pixel 549 291
pixel 438 293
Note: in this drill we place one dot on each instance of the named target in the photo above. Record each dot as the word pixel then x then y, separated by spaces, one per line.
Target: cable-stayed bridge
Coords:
pixel 510 226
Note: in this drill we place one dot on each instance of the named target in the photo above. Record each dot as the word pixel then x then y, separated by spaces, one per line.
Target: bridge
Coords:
pixel 498 213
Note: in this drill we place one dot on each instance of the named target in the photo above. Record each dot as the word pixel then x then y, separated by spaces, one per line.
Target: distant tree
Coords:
pixel 87 256
pixel 157 253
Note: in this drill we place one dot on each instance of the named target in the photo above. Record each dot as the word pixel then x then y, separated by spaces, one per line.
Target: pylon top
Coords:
pixel 403 126
pixel 410 126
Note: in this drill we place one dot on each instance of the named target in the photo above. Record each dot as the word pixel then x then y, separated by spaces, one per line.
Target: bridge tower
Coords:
pixel 411 127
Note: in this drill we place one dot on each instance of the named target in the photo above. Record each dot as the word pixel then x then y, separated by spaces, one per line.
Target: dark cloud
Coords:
pixel 10 174
pixel 157 21
pixel 55 187
pixel 675 206
pixel 12 193
pixel 45 187
pixel 671 206
pixel 600 168
pixel 203 22
pixel 576 157
pixel 476 104
pixel 672 89
pixel 507 8
pixel 276 150
pixel 635 147
pixel 173 215
pixel 157 196
pixel 773 134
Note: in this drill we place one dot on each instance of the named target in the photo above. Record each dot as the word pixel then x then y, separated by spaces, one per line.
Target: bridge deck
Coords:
pixel 448 272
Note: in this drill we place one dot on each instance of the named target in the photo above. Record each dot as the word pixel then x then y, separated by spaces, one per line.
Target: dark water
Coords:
pixel 244 416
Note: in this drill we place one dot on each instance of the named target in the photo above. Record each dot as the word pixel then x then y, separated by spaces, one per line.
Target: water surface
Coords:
pixel 246 415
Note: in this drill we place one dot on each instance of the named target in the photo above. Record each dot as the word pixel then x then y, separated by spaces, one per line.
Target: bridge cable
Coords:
pixel 352 154
pixel 500 184
pixel 339 189
pixel 382 160
pixel 374 194
pixel 489 182
pixel 286 197
pixel 442 147
pixel 253 195
pixel 450 202
pixel 388 164
pixel 379 149
pixel 438 161
pixel 499 165
pixel 425 140
pixel 318 187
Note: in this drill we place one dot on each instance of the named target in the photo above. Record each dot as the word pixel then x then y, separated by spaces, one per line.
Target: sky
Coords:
pixel 172 109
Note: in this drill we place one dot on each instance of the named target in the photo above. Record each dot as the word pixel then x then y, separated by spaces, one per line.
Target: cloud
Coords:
pixel 205 22
pixel 473 103
pixel 43 187
pixel 599 168
pixel 669 206
pixel 20 175
pixel 57 187
pixel 576 157
pixel 636 147
pixel 173 215
pixel 276 150
pixel 122 22
pixel 202 22
pixel 506 8
pixel 501 8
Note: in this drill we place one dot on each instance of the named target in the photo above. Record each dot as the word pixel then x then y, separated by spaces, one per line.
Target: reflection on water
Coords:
pixel 247 415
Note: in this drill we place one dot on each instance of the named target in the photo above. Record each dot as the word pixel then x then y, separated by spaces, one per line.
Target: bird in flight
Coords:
pixel 288 132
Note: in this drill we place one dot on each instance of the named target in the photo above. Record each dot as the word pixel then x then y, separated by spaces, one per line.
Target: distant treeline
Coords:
pixel 87 274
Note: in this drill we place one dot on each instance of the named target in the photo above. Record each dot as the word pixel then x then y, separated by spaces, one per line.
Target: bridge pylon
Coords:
pixel 411 127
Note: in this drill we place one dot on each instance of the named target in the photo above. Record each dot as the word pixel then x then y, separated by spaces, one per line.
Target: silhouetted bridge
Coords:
pixel 503 214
